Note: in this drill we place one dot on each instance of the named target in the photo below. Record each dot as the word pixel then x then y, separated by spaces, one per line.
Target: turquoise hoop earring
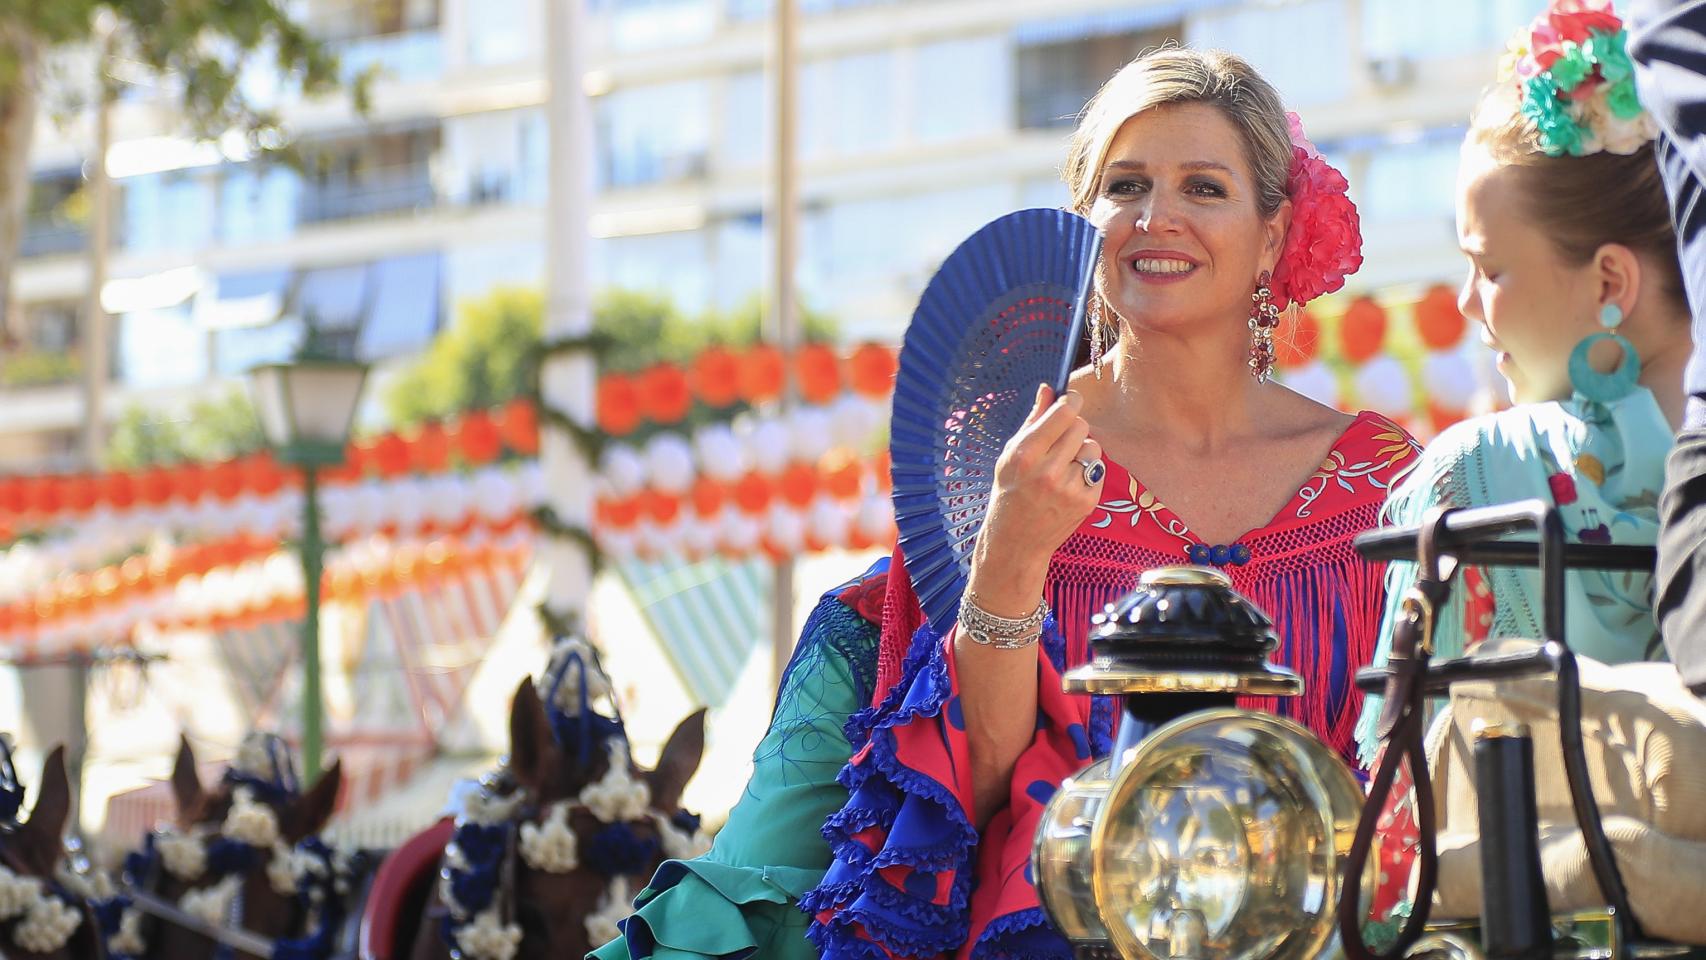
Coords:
pixel 1605 387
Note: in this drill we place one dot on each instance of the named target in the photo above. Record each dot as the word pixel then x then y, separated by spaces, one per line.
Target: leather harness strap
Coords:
pixel 1401 731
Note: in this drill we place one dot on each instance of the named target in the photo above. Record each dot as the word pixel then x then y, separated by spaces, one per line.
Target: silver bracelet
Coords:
pixel 986 628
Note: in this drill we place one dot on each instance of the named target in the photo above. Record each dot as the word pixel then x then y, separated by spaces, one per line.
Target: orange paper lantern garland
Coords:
pixel 1362 330
pixel 1438 322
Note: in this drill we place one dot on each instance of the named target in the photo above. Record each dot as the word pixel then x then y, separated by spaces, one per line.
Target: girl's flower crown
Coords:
pixel 1571 68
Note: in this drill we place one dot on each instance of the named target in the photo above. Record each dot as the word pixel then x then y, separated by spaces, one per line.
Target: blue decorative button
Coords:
pixel 1219 555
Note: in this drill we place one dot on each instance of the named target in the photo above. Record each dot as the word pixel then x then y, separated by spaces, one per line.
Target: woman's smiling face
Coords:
pixel 1178 203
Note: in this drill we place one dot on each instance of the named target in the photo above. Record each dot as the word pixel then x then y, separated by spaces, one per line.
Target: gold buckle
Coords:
pixel 1418 606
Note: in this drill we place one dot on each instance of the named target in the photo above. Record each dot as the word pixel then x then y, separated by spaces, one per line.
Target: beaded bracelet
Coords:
pixel 1002 633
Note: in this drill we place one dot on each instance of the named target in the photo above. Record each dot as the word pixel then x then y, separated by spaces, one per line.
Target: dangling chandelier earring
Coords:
pixel 1264 317
pixel 1096 333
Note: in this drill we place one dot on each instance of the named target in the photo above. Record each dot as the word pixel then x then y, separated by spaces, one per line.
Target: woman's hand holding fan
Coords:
pixel 1040 497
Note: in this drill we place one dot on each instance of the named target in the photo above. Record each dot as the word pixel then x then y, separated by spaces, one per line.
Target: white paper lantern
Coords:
pixel 828 521
pixel 1315 381
pixel 669 463
pixel 623 469
pixel 532 485
pixel 718 452
pixel 876 518
pixel 367 507
pixel 811 432
pixel 494 495
pixel 854 419
pixel 767 444
pixel 698 536
pixel 785 528
pixel 617 543
pixel 337 513
pixel 738 532
pixel 1449 379
pixel 447 499
pixel 406 508
pixel 1383 385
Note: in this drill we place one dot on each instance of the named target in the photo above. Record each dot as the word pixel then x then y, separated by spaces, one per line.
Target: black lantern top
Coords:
pixel 1183 630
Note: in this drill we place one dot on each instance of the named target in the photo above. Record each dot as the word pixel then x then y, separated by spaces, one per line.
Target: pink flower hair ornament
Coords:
pixel 1324 244
pixel 1571 69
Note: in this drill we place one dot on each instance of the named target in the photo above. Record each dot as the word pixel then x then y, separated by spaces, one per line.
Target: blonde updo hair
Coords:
pixel 1174 75
pixel 1585 202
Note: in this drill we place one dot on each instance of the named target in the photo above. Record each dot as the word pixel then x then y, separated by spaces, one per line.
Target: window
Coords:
pixel 496 157
pixel 847 105
pixel 338 20
pixel 1441 28
pixel 1302 48
pixel 746 120
pixel 502 31
pixel 54 215
pixel 161 348
pixel 167 211
pixel 1062 63
pixel 653 134
pixel 673 265
pixel 1408 181
pixel 649 24
pixel 961 88
pixel 381 173
pixel 367 310
pixel 258 203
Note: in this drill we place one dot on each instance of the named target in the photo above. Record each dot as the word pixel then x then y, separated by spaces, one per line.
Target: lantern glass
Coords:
pixel 306 408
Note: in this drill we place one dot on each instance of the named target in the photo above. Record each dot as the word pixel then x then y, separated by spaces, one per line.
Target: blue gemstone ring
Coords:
pixel 1094 470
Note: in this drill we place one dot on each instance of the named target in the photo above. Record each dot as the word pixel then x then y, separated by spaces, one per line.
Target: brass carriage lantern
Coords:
pixel 1209 833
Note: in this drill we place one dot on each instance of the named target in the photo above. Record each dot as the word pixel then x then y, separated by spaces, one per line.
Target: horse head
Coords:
pixel 39 918
pixel 243 855
pixel 547 854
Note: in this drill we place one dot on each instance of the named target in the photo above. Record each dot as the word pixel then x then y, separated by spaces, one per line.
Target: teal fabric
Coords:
pixel 741 899
pixel 1602 463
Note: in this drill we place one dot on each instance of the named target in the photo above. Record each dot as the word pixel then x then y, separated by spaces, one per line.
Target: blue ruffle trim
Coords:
pixel 885 792
pixel 1022 935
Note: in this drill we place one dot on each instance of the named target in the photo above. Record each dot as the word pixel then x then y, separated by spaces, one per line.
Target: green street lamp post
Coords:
pixel 306 408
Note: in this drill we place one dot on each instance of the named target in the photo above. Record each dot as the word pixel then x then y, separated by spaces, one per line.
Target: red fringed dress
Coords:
pixel 912 877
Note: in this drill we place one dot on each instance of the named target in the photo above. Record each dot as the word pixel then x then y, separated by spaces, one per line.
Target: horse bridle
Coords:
pixel 1401 731
pixel 141 892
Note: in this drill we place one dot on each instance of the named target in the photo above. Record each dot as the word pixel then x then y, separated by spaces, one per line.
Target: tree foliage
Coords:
pixel 484 359
pixel 486 356
pixel 199 48
pixel 211 429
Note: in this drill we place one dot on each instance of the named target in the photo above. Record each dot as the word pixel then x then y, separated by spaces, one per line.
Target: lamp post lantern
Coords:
pixel 306 408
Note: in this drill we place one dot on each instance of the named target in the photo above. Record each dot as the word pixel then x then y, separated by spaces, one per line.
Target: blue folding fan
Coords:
pixel 1004 313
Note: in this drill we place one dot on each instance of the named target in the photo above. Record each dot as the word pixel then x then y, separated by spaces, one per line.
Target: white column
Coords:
pixel 783 321
pixel 566 380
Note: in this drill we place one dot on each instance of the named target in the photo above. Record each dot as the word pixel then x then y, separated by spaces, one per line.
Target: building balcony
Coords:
pixel 50 238
pixel 38 368
pixel 398 190
pixel 411 57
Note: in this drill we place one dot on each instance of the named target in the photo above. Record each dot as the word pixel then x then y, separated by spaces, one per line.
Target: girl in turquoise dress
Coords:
pixel 741 899
pixel 1574 282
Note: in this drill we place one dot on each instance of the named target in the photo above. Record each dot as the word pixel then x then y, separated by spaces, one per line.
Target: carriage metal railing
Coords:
pixel 1476 536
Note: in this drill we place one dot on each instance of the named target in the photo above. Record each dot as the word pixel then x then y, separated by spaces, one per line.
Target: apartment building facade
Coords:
pixel 919 120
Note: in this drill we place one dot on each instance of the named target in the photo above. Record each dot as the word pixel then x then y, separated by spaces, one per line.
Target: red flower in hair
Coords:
pixel 1324 244
pixel 1573 19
